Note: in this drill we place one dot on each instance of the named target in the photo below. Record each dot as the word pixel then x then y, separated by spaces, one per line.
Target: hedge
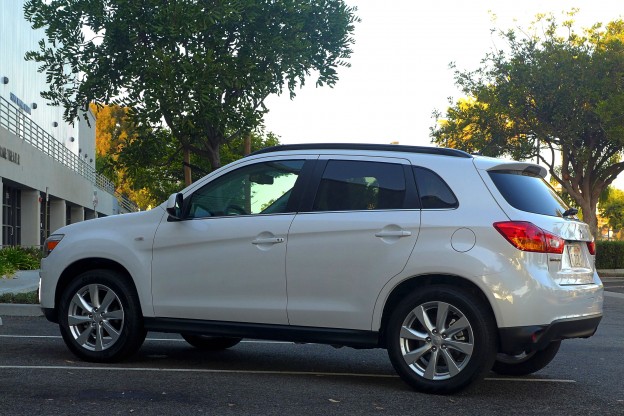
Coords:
pixel 13 259
pixel 609 254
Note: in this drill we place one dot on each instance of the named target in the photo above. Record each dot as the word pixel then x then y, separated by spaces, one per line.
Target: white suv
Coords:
pixel 456 264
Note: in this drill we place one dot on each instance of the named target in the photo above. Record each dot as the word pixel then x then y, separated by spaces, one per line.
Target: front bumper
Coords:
pixel 50 314
pixel 516 340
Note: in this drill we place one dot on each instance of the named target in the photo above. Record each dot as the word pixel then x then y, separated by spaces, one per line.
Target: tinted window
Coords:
pixel 354 185
pixel 433 191
pixel 263 188
pixel 529 193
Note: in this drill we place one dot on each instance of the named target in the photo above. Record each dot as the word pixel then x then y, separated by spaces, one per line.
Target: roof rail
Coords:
pixel 442 151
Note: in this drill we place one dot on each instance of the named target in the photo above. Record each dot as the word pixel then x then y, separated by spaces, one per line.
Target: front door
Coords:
pixel 226 260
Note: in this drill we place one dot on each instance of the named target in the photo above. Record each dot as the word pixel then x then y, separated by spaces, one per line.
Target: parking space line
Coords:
pixel 192 370
pixel 146 339
pixel 256 372
pixel 534 380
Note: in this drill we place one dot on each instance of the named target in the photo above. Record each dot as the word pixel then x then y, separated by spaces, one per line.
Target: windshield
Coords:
pixel 528 193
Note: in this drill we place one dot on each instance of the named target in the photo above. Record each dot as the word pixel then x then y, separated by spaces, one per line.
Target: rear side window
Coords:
pixel 349 185
pixel 528 193
pixel 433 191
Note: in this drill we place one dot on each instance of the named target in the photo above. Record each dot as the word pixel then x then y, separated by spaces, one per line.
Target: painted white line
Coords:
pixel 533 380
pixel 192 370
pixel 146 339
pixel 31 336
pixel 257 372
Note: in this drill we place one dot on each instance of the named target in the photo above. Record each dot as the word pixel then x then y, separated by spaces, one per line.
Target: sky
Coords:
pixel 400 70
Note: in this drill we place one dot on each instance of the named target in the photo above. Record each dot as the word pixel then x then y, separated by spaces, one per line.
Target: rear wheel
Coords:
pixel 210 343
pixel 100 317
pixel 525 363
pixel 440 339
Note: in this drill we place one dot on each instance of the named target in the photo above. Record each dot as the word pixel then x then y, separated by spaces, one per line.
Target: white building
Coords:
pixel 42 158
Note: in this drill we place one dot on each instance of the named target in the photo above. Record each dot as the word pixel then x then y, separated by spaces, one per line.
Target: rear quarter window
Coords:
pixel 528 192
pixel 434 193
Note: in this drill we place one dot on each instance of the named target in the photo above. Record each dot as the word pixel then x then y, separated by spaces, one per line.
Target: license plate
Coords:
pixel 575 255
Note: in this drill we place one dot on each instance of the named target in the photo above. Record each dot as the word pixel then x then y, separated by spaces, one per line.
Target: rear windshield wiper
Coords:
pixel 570 211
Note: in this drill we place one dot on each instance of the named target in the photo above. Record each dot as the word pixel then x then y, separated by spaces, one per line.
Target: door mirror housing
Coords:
pixel 174 206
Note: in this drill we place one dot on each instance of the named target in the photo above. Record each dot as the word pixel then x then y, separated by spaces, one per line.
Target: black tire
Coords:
pixel 100 317
pixel 528 363
pixel 471 350
pixel 210 343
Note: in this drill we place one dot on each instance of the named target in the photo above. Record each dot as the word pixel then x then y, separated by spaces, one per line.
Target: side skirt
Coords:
pixel 302 334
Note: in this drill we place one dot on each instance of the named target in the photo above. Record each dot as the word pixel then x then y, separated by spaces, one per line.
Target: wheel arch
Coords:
pixel 83 265
pixel 414 283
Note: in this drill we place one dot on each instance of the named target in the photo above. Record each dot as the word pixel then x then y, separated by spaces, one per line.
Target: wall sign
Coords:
pixel 9 155
pixel 20 103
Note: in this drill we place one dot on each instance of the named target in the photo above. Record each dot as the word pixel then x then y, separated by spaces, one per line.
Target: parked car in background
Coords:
pixel 456 264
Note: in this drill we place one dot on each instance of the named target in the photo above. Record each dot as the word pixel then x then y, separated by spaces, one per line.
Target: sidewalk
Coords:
pixel 23 282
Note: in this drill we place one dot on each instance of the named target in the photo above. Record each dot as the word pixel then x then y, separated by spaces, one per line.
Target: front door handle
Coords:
pixel 397 233
pixel 270 240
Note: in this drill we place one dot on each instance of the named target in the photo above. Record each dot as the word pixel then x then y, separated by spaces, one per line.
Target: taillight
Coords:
pixel 591 245
pixel 526 236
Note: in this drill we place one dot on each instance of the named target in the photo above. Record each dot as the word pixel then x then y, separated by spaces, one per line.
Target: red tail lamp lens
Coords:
pixel 591 245
pixel 526 236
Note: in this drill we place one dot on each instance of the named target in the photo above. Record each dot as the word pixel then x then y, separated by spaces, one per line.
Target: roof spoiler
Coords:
pixel 528 168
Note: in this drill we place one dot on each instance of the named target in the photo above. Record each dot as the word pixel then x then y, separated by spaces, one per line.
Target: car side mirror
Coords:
pixel 174 206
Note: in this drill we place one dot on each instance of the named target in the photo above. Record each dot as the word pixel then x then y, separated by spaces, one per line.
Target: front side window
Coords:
pixel 528 192
pixel 349 185
pixel 262 188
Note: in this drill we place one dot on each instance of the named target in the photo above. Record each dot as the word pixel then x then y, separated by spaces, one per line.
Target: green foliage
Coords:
pixel 31 298
pixel 550 91
pixel 613 209
pixel 609 254
pixel 204 68
pixel 13 259
pixel 154 163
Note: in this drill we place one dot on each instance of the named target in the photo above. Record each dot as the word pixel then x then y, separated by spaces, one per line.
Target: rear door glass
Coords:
pixel 349 185
pixel 528 193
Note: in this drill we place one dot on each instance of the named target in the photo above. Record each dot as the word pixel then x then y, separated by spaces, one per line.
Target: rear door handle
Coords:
pixel 270 240
pixel 398 233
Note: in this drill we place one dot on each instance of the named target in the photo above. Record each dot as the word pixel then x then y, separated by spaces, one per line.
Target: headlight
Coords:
pixel 51 243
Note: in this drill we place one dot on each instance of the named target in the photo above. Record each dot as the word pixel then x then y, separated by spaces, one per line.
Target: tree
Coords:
pixel 203 67
pixel 113 130
pixel 552 94
pixel 612 209
pixel 152 160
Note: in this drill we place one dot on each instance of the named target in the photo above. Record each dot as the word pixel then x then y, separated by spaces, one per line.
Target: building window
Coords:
pixel 11 216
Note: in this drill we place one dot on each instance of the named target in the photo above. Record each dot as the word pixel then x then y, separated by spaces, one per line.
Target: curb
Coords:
pixel 17 309
pixel 612 273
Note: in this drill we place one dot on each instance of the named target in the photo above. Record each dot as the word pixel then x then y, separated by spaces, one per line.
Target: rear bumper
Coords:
pixel 516 340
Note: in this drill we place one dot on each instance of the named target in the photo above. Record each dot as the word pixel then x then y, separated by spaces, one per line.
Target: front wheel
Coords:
pixel 100 317
pixel 525 363
pixel 440 339
pixel 210 343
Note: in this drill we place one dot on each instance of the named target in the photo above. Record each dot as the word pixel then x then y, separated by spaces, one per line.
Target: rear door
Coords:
pixel 357 232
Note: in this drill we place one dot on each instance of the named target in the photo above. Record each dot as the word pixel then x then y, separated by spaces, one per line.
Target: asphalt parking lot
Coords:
pixel 40 376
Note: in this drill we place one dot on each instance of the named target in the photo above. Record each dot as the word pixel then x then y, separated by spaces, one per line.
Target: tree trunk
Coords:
pixel 590 217
pixel 214 156
pixel 247 145
pixel 188 179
